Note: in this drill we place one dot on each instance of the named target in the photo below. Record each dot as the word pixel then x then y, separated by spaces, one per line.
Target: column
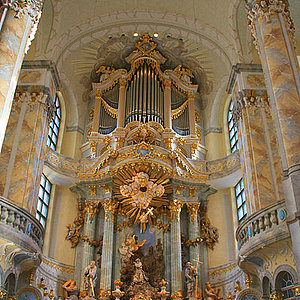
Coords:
pixel 191 102
pixel 167 108
pixel 90 211
pixel 22 155
pixel 107 250
pixel 121 106
pixel 19 24
pixel 176 263
pixel 273 32
pixel 259 149
pixel 194 233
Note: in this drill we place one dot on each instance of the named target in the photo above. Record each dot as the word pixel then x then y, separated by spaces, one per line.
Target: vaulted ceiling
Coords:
pixel 77 34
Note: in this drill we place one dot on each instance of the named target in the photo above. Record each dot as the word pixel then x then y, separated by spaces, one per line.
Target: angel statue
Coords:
pixel 129 246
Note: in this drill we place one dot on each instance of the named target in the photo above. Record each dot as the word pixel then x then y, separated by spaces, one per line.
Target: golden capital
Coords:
pixel 109 205
pixel 191 96
pixel 193 210
pixel 167 83
pixel 90 209
pixel 123 82
pixel 93 189
pixel 175 207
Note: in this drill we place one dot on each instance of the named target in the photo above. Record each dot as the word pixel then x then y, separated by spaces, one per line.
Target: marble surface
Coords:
pixel 283 82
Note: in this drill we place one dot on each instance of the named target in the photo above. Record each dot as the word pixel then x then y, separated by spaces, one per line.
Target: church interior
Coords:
pixel 149 149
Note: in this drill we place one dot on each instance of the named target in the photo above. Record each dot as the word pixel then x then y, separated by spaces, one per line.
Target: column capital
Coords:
pixel 30 7
pixel 123 82
pixel 109 205
pixel 90 209
pixel 264 9
pixel 193 210
pixel 167 83
pixel 175 207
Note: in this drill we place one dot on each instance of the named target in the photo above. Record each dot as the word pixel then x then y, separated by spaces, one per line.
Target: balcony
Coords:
pixel 20 227
pixel 265 227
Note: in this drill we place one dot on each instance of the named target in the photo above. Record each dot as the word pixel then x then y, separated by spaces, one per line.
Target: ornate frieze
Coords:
pixel 264 9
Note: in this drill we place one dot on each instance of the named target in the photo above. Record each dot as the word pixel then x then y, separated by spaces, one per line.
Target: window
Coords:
pixel 233 136
pixel 43 201
pixel 54 126
pixel 240 201
pixel 287 284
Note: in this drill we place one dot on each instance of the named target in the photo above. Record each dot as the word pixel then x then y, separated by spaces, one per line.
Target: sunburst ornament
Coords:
pixel 142 190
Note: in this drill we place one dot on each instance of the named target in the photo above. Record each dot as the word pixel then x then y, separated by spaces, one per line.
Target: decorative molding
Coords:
pixel 213 130
pixel 49 65
pixel 175 207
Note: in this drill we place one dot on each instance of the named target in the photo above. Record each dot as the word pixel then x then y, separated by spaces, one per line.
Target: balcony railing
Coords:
pixel 14 219
pixel 269 219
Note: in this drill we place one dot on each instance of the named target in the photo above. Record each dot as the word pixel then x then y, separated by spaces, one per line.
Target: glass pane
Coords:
pixel 44 210
pixel 239 201
pixel 39 206
pixel 43 222
pixel 46 198
pixel 240 213
pixel 41 193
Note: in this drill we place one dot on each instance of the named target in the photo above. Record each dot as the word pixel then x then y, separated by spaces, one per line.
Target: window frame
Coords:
pixel 239 192
pixel 43 200
pixel 232 130
pixel 54 126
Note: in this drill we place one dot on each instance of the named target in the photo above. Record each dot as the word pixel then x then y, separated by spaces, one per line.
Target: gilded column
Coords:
pixel 273 32
pixel 191 102
pixel 18 29
pixel 90 211
pixel 176 263
pixel 107 250
pixel 121 106
pixel 168 113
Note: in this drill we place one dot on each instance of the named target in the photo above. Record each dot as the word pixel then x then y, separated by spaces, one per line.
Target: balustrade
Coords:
pixel 21 221
pixel 260 222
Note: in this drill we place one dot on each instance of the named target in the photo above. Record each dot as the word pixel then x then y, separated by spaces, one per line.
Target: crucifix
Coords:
pixel 196 286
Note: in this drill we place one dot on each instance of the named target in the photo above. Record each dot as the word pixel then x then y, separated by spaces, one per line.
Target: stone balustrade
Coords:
pixel 19 226
pixel 263 227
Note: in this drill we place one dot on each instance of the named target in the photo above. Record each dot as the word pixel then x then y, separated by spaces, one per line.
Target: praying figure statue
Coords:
pixel 139 275
pixel 90 276
pixel 190 278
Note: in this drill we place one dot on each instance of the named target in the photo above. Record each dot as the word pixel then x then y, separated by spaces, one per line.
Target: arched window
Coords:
pixel 239 188
pixel 233 136
pixel 54 125
pixel 286 283
pixel 43 201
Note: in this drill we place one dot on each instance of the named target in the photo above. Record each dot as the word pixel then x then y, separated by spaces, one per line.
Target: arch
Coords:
pixel 288 269
pixel 112 24
pixel 266 287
